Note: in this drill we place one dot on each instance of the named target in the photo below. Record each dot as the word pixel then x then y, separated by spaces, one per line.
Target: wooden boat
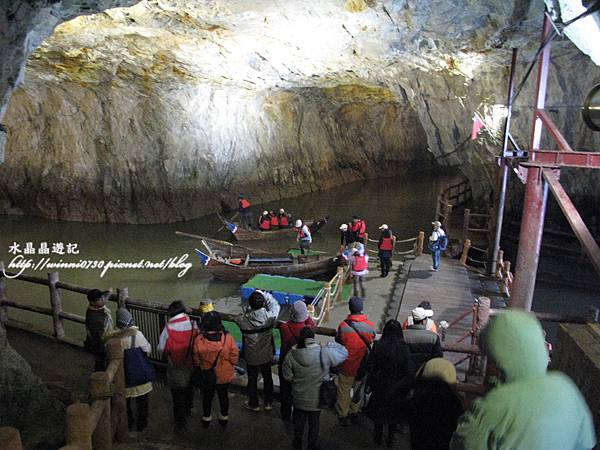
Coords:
pixel 230 262
pixel 241 234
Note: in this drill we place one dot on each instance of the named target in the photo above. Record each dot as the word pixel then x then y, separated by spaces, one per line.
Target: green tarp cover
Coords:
pixel 306 288
pixel 296 252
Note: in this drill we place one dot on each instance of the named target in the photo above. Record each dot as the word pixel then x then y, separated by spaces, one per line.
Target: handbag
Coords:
pixel 138 369
pixel 328 389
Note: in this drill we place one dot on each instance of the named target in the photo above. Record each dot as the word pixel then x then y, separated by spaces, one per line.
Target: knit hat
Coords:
pixel 124 318
pixel 299 312
pixel 440 369
pixel 356 305
pixel 206 307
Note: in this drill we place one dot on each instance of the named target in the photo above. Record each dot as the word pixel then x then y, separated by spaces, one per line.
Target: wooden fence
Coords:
pixel 450 198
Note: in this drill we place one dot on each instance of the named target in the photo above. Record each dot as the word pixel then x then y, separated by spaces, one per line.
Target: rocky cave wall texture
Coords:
pixel 160 111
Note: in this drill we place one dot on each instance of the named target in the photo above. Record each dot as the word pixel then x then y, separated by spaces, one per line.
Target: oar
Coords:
pixel 218 241
pixel 234 216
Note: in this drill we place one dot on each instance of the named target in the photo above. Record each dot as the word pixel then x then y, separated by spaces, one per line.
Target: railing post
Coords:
pixel 102 434
pixel 122 296
pixel 3 308
pixel 592 314
pixel 56 305
pixel 465 253
pixel 340 274
pixel 79 424
pixel 366 241
pixel 10 439
pixel 447 214
pixel 499 264
pixel 466 219
pixel 420 242
pixel 115 353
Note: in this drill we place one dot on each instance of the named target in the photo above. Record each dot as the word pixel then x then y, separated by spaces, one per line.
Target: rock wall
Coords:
pixel 145 154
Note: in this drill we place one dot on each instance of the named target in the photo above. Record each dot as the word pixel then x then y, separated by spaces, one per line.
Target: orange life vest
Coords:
pixel 360 227
pixel 283 220
pixel 265 223
pixel 386 244
pixel 360 263
pixel 244 203
pixel 274 221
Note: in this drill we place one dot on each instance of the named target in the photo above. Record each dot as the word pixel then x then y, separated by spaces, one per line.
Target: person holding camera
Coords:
pixel 256 324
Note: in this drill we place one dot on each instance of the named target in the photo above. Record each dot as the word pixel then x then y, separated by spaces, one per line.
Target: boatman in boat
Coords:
pixel 284 218
pixel 264 221
pixel 304 237
pixel 359 226
pixel 245 212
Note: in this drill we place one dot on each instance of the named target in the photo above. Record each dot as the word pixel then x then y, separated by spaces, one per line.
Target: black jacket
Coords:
pixel 424 344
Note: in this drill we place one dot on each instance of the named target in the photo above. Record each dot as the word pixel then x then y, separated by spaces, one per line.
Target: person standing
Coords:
pixel 424 344
pixel 359 227
pixel 437 244
pixel 256 324
pixel 245 212
pixel 215 352
pixel 429 322
pixel 176 344
pixel 305 366
pixel 304 237
pixel 290 332
pixel 386 249
pixel 390 375
pixel 98 321
pixel 131 337
pixel 356 333
pixel 360 269
pixel 531 408
pixel 434 407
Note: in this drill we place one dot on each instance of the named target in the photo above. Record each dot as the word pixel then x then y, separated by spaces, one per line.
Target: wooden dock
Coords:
pixel 448 291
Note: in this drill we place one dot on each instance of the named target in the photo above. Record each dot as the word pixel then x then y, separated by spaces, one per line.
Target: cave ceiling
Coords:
pixel 266 44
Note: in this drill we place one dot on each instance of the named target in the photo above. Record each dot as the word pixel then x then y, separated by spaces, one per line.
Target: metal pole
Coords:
pixel 503 170
pixel 530 239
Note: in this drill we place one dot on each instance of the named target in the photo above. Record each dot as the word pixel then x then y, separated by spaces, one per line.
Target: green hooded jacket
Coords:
pixel 533 408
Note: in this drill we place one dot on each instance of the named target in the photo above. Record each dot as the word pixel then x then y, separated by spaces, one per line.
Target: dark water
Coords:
pixel 406 204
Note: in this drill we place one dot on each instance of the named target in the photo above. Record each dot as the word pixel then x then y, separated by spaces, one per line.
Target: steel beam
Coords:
pixel 560 140
pixel 588 243
pixel 585 160
pixel 542 83
pixel 530 239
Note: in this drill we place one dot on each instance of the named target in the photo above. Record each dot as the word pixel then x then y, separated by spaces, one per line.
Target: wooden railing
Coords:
pixel 451 198
pixel 415 250
pixel 105 420
pixel 475 223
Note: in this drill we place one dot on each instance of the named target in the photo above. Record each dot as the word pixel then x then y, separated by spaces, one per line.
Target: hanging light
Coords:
pixel 591 109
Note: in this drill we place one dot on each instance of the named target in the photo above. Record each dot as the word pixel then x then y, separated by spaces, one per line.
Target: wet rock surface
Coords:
pixel 163 110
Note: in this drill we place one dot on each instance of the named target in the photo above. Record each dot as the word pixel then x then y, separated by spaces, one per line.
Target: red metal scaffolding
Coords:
pixel 543 172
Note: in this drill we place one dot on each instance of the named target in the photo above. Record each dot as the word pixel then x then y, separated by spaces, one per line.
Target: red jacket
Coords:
pixel 290 332
pixel 178 344
pixel 353 343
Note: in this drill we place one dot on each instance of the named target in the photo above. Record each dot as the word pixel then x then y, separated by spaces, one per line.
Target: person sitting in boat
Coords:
pixel 359 226
pixel 284 218
pixel 264 221
pixel 244 211
pixel 304 237
pixel 274 220
pixel 347 236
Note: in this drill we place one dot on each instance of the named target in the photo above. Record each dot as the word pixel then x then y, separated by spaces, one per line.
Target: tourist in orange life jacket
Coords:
pixel 274 220
pixel 360 269
pixel 284 219
pixel 176 342
pixel 264 221
pixel 347 236
pixel 304 237
pixel 386 247
pixel 359 227
pixel 245 212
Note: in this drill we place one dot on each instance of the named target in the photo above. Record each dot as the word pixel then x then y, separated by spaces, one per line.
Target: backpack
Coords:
pixel 443 242
pixel 138 370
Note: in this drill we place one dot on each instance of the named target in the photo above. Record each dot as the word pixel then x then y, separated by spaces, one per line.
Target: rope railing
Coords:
pixel 416 250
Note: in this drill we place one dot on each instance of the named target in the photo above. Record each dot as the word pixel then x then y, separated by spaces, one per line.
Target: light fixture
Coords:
pixel 591 109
